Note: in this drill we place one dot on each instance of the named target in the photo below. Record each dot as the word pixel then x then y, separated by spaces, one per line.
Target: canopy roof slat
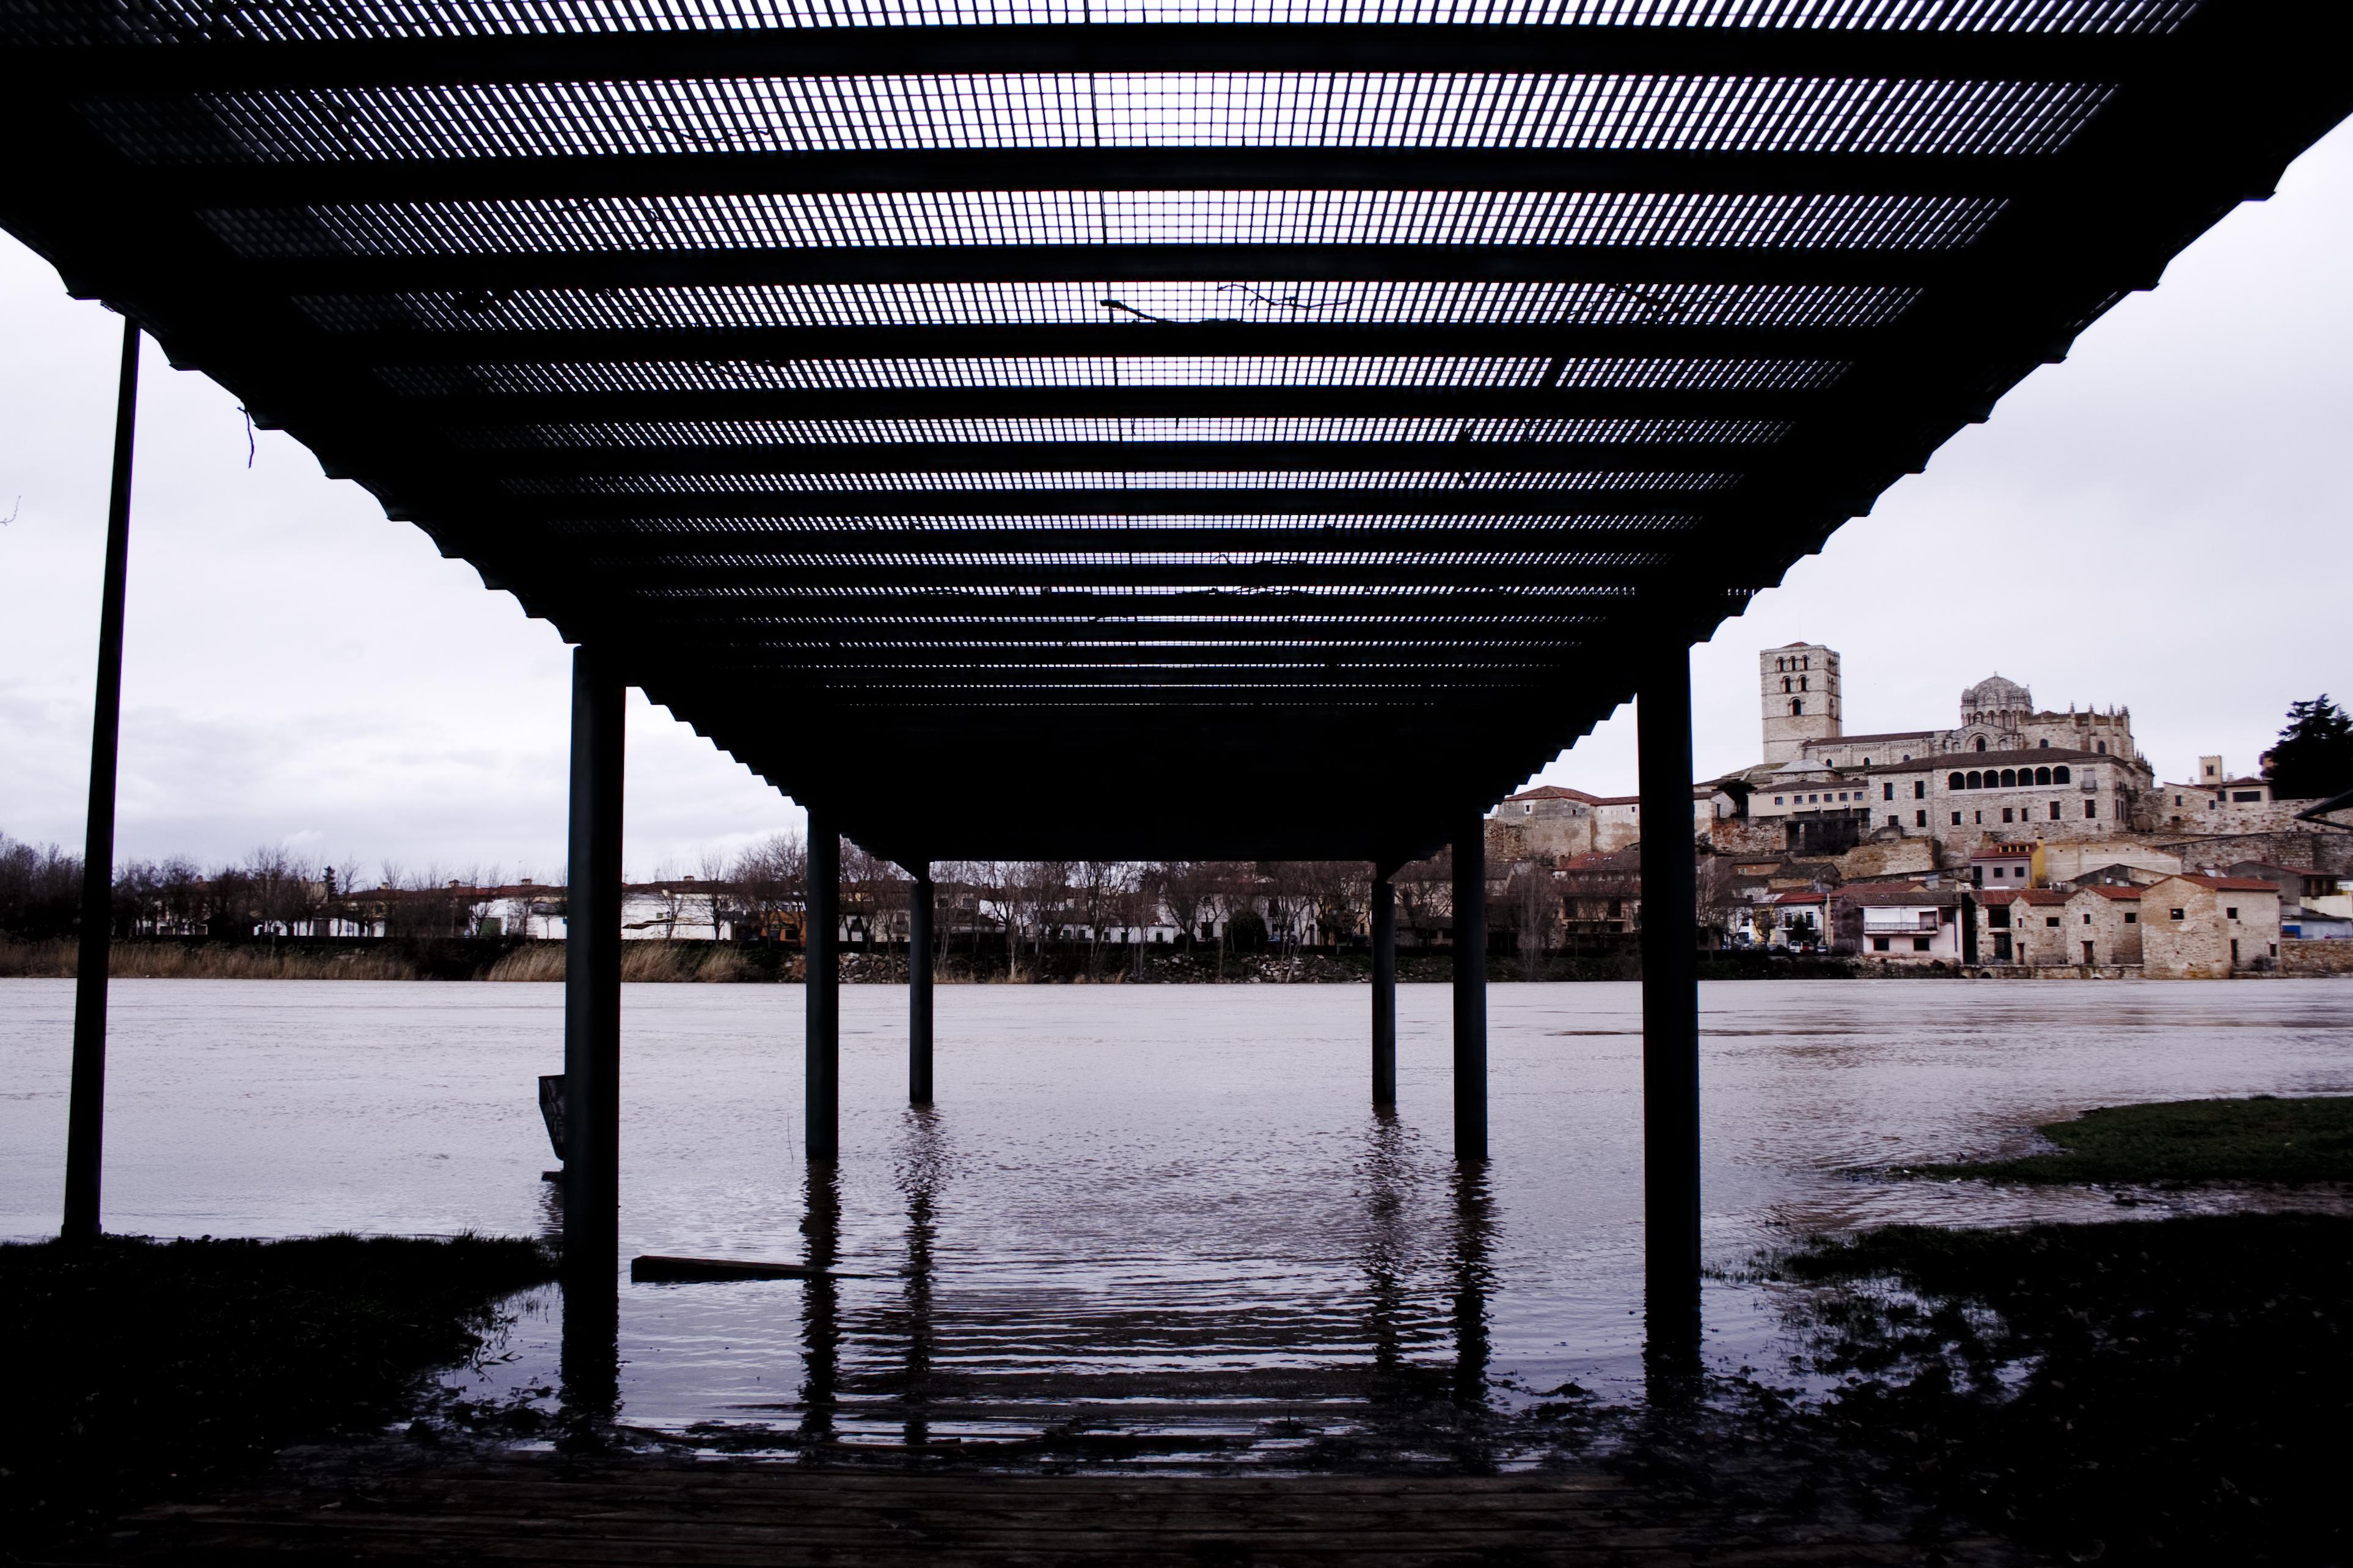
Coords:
pixel 1319 404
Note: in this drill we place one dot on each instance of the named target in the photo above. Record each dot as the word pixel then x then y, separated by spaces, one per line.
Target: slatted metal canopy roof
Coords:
pixel 1047 427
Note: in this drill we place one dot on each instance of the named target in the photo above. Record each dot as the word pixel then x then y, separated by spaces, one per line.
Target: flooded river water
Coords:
pixel 1154 1208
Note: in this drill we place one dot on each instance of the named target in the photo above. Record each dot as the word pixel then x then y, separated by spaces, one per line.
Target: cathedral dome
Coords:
pixel 1996 694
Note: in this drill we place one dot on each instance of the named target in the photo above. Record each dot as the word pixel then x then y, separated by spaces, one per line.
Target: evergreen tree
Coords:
pixel 2314 758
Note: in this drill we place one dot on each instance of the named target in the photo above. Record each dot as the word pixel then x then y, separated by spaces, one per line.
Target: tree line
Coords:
pixel 271 889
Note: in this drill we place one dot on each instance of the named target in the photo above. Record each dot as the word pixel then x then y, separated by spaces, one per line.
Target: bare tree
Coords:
pixel 1535 902
pixel 712 890
pixel 1097 886
pixel 1718 895
pixel 1183 889
pixel 1425 894
pixel 770 879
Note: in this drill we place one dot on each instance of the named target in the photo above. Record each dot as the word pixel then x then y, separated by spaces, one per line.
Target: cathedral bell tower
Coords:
pixel 1798 685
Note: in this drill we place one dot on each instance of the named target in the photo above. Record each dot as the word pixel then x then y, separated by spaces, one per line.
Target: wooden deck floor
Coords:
pixel 543 1509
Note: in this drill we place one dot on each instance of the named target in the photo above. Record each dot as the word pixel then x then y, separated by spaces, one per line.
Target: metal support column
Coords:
pixel 1669 996
pixel 86 1104
pixel 1471 991
pixel 822 1101
pixel 592 978
pixel 1384 988
pixel 919 986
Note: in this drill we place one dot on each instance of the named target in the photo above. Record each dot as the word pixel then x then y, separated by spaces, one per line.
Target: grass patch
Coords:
pixel 2185 1142
pixel 139 1369
pixel 2172 1390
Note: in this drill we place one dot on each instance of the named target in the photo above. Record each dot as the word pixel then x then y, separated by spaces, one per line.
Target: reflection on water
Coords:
pixel 1148 1225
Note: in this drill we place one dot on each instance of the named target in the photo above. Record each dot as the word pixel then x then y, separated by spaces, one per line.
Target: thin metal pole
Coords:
pixel 822 1055
pixel 86 1108
pixel 1471 991
pixel 592 979
pixel 1671 1149
pixel 1383 989
pixel 919 988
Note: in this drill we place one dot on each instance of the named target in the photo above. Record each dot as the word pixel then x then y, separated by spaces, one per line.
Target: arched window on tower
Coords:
pixel 1797 707
pixel 1801 683
pixel 1785 684
pixel 1980 742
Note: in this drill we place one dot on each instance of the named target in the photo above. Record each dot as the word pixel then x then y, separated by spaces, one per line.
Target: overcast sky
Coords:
pixel 2159 522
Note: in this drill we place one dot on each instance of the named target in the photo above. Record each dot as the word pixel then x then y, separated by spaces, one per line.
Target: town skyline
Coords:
pixel 2131 528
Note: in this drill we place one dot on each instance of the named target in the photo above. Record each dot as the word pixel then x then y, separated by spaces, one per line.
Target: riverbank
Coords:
pixel 143 1369
pixel 703 962
pixel 2172 1390
pixel 2265 1139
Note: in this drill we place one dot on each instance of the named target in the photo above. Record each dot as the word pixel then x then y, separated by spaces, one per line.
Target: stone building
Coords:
pixel 2006 766
pixel 2023 926
pixel 2104 925
pixel 2208 928
pixel 1552 823
pixel 1798 688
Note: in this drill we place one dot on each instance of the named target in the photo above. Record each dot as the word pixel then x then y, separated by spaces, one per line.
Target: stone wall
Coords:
pixel 2308 958
pixel 2320 849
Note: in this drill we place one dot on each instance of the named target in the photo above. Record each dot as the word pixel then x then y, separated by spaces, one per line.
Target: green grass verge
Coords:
pixel 139 1369
pixel 2176 1391
pixel 2186 1142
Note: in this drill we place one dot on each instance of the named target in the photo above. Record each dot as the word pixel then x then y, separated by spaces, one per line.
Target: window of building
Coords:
pixel 2091 810
pixel 1778 801
pixel 2231 914
pixel 2059 774
pixel 2102 748
pixel 2051 921
pixel 2247 795
pixel 1978 816
pixel 1797 707
pixel 2000 872
pixel 1998 915
pixel 2054 811
pixel 1893 820
pixel 2043 744
pixel 2042 775
pixel 1956 820
pixel 1975 781
pixel 2009 778
pixel 1919 944
pixel 2005 813
pixel 1920 818
pixel 1887 791
pixel 1919 789
pixel 1980 742
pixel 1786 687
pixel 1956 781
pixel 1879 944
pixel 2087 921
pixel 2132 918
pixel 2176 914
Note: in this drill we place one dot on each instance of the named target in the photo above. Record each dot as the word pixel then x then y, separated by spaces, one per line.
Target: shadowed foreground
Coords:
pixel 532 1509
